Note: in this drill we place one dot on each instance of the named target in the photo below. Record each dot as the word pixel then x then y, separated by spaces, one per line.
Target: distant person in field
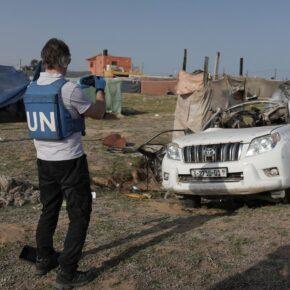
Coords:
pixel 55 111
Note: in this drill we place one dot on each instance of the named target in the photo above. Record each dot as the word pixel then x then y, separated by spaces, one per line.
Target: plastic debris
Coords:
pixel 135 189
pixel 139 196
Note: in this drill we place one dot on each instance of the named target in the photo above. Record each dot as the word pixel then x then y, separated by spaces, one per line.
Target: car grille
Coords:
pixel 212 153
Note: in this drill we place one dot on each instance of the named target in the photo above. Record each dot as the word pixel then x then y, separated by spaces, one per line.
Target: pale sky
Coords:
pixel 153 32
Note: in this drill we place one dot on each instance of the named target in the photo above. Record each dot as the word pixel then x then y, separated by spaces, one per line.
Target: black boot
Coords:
pixel 65 280
pixel 44 265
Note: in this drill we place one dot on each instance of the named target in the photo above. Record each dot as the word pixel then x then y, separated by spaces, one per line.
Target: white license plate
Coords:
pixel 209 172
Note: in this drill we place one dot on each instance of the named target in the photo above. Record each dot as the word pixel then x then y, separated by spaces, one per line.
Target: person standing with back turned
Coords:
pixel 55 110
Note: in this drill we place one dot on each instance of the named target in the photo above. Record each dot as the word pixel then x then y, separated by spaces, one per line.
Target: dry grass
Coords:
pixel 150 244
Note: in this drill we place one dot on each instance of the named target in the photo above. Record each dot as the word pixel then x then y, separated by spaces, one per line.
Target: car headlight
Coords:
pixel 263 144
pixel 172 151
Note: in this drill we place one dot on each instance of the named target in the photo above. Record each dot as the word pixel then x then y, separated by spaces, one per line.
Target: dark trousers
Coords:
pixel 67 179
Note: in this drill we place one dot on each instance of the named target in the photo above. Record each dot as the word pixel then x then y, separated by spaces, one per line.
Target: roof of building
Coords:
pixel 100 54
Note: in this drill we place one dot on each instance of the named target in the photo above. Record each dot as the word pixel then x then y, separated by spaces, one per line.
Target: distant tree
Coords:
pixel 33 64
pixel 29 69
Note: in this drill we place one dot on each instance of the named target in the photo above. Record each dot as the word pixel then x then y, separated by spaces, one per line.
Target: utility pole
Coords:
pixel 184 59
pixel 241 66
pixel 20 64
pixel 275 74
pixel 205 70
pixel 216 65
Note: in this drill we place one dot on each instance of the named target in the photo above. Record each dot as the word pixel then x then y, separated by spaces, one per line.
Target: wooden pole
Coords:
pixel 216 66
pixel 241 66
pixel 205 70
pixel 184 59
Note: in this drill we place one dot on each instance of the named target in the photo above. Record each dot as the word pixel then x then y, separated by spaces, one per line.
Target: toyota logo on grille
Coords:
pixel 209 152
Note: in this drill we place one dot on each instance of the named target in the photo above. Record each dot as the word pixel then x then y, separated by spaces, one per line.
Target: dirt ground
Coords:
pixel 151 243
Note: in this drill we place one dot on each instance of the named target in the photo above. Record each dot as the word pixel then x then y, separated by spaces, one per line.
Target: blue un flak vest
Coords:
pixel 47 117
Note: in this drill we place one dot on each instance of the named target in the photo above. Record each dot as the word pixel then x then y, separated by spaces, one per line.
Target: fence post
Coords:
pixel 184 59
pixel 216 66
pixel 241 66
pixel 205 70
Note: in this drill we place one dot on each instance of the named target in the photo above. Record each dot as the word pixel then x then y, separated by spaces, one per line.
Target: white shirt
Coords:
pixel 76 103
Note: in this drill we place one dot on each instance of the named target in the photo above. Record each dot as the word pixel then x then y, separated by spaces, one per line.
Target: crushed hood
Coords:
pixel 220 135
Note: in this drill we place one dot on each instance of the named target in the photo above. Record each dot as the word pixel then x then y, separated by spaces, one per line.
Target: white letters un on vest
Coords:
pixel 43 120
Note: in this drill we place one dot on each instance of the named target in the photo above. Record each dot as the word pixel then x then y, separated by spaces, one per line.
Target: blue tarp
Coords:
pixel 13 84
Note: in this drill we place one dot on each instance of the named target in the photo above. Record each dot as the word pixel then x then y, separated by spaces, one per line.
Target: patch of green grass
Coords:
pixel 155 284
pixel 4 249
pixel 150 104
pixel 237 243
pixel 103 227
pixel 194 258
pixel 195 239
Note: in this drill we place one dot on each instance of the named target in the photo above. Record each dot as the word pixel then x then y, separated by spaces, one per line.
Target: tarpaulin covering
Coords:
pixel 196 101
pixel 224 90
pixel 113 95
pixel 188 83
pixel 193 103
pixel 13 84
pixel 262 88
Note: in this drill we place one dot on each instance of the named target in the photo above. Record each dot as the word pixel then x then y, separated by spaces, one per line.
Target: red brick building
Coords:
pixel 100 63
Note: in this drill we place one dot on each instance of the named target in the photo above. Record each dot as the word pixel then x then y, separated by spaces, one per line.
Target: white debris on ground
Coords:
pixel 17 193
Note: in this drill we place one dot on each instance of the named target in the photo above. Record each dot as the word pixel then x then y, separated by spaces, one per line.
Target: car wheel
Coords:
pixel 191 201
pixel 286 199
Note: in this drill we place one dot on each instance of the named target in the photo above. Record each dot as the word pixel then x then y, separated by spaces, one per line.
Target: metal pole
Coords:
pixel 205 70
pixel 241 66
pixel 216 66
pixel 184 59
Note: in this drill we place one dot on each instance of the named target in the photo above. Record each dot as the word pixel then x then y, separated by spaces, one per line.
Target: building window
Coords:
pixel 91 64
pixel 114 62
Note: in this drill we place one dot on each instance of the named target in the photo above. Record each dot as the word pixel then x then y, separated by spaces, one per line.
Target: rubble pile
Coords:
pixel 17 193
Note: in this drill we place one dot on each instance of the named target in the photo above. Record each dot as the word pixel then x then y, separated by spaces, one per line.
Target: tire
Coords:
pixel 286 199
pixel 191 201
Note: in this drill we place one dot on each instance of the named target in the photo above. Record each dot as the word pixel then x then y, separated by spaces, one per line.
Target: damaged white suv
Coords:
pixel 242 151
